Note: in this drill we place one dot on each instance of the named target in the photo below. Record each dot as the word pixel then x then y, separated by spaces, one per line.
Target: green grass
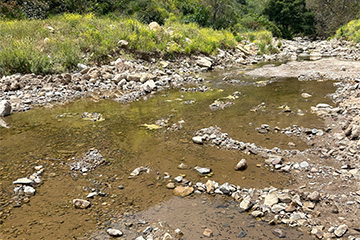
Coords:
pixel 350 31
pixel 59 43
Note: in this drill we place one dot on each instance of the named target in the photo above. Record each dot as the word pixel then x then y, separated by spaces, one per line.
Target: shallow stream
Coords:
pixel 54 137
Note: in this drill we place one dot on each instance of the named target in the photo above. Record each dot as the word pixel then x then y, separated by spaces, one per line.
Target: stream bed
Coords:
pixel 157 134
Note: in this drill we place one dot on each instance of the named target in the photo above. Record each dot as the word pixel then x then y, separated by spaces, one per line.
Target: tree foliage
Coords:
pixel 291 16
pixel 330 15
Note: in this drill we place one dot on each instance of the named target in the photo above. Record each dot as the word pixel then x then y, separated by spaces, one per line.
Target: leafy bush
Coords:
pixel 350 31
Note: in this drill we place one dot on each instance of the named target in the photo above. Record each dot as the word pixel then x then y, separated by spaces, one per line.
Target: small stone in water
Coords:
pixel 23 181
pixel 80 203
pixel 208 232
pixel 114 232
pixel 198 140
pixel 202 170
pixel 242 165
pixel 170 185
pixel 278 233
pixel 183 191
pixel 242 234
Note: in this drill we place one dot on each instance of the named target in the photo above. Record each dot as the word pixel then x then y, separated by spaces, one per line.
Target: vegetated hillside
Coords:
pixel 59 43
pixel 235 15
pixel 350 31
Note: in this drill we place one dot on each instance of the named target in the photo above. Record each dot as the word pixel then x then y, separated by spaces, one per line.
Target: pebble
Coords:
pixel 114 232
pixel 314 196
pixel 279 233
pixel 242 165
pixel 23 181
pixel 245 204
pixel 81 204
pixel 242 234
pixel 183 191
pixel 170 185
pixel 197 139
pixel 202 170
pixel 341 230
pixel 208 233
pixel 30 191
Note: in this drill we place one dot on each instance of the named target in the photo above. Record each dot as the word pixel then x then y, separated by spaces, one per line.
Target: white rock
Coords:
pixel 202 170
pixel 242 165
pixel 271 199
pixel 341 230
pixel 114 232
pixel 30 191
pixel 5 108
pixel 197 139
pixel 23 181
pixel 245 204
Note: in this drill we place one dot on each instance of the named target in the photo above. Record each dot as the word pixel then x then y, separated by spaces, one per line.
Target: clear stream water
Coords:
pixel 40 137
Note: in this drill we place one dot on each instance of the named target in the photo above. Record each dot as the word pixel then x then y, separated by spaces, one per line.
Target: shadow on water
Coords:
pixel 41 137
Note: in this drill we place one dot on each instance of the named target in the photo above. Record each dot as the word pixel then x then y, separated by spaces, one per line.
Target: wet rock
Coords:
pixel 5 108
pixel 81 204
pixel 208 233
pixel 279 233
pixel 202 170
pixel 183 191
pixel 314 196
pixel 23 181
pixel 271 199
pixel 306 95
pixel 341 230
pixel 242 165
pixel 245 204
pixel 114 232
pixel 95 117
pixel 242 234
pixel 198 140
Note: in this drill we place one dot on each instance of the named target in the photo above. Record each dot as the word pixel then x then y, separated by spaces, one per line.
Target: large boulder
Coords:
pixel 5 108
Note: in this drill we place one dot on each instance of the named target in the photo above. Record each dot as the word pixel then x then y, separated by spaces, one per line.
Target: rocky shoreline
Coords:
pixel 327 202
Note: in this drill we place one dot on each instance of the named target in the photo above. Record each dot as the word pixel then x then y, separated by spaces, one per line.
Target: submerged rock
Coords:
pixel 242 165
pixel 81 203
pixel 202 170
pixel 114 232
pixel 183 191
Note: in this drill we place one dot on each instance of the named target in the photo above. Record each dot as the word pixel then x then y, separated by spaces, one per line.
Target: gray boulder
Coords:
pixel 5 108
